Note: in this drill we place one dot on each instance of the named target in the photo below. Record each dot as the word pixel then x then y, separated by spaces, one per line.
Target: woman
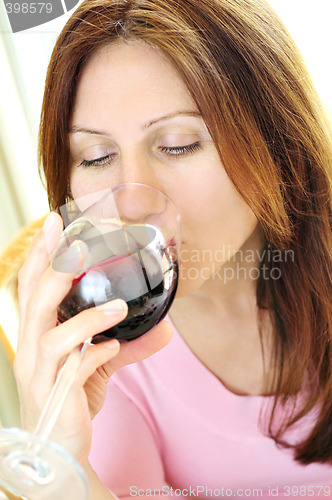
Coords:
pixel 209 102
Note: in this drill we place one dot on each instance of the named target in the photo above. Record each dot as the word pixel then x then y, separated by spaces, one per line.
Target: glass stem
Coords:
pixel 60 391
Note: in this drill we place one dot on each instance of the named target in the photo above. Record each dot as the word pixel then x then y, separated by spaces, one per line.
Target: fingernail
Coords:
pixel 78 252
pixel 49 222
pixel 117 306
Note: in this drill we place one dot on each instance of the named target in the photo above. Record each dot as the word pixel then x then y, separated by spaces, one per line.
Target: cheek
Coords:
pixel 213 209
pixel 78 188
pixel 82 184
pixel 216 222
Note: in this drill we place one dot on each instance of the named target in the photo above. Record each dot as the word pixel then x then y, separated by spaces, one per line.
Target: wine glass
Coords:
pixel 126 242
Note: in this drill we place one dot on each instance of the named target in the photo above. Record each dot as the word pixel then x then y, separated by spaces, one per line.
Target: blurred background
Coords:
pixel 23 61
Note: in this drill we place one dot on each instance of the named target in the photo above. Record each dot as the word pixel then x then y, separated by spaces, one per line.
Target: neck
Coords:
pixel 233 286
pixel 221 325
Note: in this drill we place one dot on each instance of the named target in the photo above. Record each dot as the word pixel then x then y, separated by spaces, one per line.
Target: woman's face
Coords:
pixel 134 121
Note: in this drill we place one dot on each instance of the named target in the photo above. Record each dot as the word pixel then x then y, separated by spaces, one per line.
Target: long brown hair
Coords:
pixel 250 84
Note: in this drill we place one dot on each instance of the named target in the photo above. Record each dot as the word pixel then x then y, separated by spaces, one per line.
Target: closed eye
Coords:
pixel 180 150
pixel 172 151
pixel 98 162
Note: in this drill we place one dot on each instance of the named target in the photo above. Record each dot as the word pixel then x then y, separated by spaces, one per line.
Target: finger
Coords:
pixel 103 359
pixel 38 258
pixel 61 340
pixel 92 374
pixel 41 307
pixel 52 287
pixel 99 363
pixel 141 348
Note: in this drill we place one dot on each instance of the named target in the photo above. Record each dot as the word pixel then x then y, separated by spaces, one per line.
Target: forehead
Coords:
pixel 134 53
pixel 127 74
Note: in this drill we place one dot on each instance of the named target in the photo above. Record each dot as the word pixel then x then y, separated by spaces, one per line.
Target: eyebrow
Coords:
pixel 83 130
pixel 172 115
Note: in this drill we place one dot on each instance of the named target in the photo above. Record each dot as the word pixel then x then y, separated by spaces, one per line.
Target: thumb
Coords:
pixel 142 347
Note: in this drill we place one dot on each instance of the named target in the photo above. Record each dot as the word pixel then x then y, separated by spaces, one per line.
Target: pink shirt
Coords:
pixel 168 422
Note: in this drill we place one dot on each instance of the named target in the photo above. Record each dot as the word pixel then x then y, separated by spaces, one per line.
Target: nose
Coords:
pixel 138 202
pixel 134 165
pixel 135 169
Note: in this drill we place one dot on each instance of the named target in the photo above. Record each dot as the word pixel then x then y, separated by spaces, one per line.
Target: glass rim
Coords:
pixel 113 189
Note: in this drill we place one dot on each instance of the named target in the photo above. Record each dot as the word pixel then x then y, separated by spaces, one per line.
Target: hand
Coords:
pixel 42 346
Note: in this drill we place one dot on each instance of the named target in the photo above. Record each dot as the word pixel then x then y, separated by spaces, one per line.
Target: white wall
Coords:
pixel 310 23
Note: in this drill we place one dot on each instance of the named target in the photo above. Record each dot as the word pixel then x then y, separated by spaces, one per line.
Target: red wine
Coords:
pixel 145 277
